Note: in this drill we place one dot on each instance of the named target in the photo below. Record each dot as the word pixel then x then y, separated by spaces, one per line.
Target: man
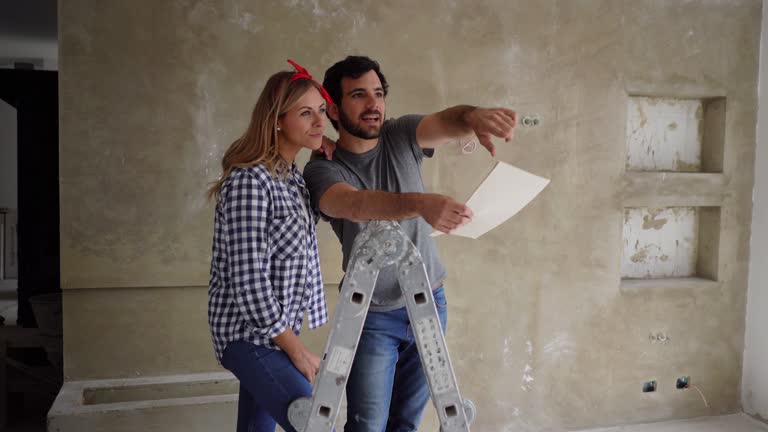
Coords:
pixel 375 174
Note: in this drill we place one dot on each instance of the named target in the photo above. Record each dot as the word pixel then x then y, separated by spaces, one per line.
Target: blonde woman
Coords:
pixel 265 271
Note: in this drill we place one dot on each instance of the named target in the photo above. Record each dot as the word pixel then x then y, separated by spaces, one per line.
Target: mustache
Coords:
pixel 370 112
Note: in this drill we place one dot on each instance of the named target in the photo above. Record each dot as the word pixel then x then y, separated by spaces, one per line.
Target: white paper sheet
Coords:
pixel 503 193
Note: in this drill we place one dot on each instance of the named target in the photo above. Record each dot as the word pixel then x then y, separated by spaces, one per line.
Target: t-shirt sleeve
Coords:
pixel 319 175
pixel 403 130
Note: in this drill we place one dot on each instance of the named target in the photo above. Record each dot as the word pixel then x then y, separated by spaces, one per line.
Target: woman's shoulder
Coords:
pixel 255 176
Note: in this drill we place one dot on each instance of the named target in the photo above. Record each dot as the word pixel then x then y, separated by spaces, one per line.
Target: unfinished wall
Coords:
pixel 755 379
pixel 545 332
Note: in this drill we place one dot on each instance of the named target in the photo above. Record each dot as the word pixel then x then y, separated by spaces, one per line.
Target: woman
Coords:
pixel 265 271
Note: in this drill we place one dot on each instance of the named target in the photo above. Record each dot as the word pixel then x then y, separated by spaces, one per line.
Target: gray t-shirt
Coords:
pixel 394 165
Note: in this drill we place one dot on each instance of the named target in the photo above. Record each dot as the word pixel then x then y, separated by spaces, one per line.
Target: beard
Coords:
pixel 358 129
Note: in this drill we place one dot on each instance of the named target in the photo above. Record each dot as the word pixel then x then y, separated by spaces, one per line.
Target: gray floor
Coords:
pixel 731 423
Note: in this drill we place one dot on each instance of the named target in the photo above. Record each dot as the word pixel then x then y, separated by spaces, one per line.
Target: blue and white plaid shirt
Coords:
pixel 265 270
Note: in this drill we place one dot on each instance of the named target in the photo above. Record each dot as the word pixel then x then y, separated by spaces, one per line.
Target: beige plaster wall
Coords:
pixel 543 332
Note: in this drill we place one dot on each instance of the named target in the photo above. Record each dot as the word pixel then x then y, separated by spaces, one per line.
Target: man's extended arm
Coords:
pixel 464 120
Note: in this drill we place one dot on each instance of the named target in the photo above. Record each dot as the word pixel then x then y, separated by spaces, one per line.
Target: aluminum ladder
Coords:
pixel 380 245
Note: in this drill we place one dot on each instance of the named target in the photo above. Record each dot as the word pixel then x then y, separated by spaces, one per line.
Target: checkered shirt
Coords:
pixel 265 269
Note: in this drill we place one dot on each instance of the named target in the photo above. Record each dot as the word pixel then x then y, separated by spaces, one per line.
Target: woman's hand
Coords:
pixel 307 363
pixel 303 359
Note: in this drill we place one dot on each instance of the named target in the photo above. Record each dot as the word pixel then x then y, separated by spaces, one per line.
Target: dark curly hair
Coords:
pixel 351 67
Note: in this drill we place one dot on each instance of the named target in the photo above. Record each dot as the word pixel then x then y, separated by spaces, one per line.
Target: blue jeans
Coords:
pixel 387 389
pixel 269 382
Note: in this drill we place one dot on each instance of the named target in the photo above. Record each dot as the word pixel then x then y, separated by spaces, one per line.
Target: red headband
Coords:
pixel 302 73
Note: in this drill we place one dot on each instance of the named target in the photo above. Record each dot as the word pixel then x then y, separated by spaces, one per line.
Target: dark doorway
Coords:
pixel 34 94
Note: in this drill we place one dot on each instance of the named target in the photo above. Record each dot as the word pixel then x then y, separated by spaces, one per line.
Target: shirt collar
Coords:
pixel 282 169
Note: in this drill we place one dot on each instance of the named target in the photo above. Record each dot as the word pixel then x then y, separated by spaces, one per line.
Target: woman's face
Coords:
pixel 304 124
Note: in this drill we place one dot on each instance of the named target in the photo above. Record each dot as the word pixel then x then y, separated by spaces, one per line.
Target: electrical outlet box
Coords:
pixel 649 387
pixel 683 383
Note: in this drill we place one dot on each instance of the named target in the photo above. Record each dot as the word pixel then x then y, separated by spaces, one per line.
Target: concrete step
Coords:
pixel 190 403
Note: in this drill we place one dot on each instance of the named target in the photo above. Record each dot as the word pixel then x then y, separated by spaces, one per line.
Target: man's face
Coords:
pixel 362 106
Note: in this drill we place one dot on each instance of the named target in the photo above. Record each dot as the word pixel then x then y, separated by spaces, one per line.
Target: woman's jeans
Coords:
pixel 269 382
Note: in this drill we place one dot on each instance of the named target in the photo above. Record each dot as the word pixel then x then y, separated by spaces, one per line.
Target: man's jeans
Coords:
pixel 387 390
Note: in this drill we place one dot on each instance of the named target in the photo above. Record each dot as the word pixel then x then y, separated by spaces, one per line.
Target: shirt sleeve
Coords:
pixel 247 213
pixel 403 131
pixel 318 314
pixel 320 175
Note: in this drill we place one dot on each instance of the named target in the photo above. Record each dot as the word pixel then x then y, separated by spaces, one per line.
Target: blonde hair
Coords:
pixel 258 145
